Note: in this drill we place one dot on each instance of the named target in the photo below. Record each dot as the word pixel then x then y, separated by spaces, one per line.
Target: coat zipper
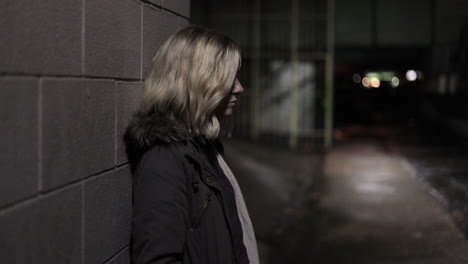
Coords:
pixel 203 209
pixel 205 205
pixel 226 218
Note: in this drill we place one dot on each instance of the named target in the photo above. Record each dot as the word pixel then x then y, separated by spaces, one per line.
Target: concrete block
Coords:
pixel 181 7
pixel 123 257
pixel 113 38
pixel 19 144
pixel 47 230
pixel 157 28
pixel 128 100
pixel 41 36
pixel 107 215
pixel 183 23
pixel 78 129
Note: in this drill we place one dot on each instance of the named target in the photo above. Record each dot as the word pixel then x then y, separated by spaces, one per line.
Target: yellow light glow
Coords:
pixel 375 82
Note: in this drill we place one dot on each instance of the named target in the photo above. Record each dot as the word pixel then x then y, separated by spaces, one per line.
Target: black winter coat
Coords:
pixel 183 205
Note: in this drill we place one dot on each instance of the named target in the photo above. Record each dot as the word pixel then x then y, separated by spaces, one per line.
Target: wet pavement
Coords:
pixel 443 170
pixel 373 207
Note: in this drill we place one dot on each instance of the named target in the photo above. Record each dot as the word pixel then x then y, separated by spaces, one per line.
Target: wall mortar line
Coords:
pixel 83 31
pixel 39 137
pixel 20 74
pixel 141 42
pixel 19 204
pixel 164 9
pixel 115 122
pixel 83 223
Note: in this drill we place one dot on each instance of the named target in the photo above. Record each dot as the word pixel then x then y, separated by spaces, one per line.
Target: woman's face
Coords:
pixel 231 100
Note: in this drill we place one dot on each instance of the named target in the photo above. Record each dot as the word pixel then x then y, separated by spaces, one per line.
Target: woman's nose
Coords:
pixel 238 89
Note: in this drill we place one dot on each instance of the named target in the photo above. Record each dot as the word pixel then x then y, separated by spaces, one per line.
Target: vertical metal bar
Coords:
pixel 255 71
pixel 293 108
pixel 433 22
pixel 329 74
pixel 433 72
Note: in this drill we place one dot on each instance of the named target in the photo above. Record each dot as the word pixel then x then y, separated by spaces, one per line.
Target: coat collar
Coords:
pixel 146 130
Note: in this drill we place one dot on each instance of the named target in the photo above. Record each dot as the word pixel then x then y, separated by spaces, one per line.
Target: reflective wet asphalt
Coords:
pixel 370 207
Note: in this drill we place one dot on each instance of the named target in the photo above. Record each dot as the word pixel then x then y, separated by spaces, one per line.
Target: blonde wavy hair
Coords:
pixel 191 74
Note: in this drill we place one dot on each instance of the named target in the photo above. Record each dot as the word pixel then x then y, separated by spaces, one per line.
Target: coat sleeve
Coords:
pixel 160 210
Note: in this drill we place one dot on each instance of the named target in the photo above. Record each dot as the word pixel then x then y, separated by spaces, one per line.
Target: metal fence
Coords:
pixel 286 50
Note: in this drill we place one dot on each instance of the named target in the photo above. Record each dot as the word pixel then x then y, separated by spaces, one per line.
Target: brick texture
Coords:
pixel 19 144
pixel 128 99
pixel 41 36
pixel 71 76
pixel 113 38
pixel 181 7
pixel 78 124
pixel 107 215
pixel 46 231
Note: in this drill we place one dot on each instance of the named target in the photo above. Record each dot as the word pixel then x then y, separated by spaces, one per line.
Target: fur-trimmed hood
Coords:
pixel 147 130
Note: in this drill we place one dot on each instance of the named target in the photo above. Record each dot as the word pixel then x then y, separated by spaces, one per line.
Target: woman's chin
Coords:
pixel 228 111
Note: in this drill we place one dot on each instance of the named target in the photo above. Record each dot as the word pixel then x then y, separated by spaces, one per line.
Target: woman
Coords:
pixel 187 206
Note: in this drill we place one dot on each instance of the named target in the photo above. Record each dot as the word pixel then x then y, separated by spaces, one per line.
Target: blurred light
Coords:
pixel 387 76
pixel 357 78
pixel 420 75
pixel 371 75
pixel 375 82
pixel 411 75
pixel 366 82
pixel 395 81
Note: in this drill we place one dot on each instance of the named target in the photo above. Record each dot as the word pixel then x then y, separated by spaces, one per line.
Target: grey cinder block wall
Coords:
pixel 71 75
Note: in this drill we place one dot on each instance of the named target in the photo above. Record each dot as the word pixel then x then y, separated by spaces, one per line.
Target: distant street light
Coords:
pixel 411 75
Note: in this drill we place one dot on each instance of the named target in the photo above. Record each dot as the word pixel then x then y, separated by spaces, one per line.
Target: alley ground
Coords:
pixel 370 207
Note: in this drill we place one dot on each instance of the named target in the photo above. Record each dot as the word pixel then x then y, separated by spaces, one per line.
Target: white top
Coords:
pixel 247 229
